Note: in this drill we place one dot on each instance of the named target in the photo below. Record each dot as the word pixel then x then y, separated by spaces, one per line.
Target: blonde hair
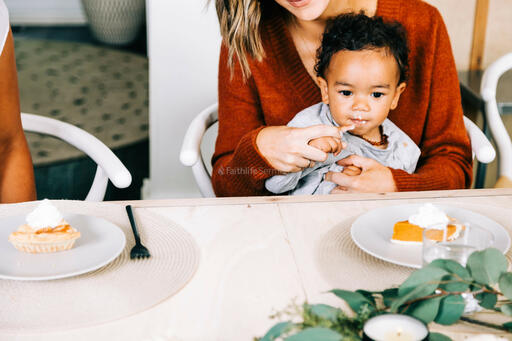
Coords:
pixel 239 22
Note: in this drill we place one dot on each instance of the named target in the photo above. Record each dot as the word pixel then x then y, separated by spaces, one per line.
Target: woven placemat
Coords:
pixel 121 288
pixel 101 90
pixel 336 251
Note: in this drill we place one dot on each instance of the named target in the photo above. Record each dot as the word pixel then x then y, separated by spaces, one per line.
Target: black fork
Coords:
pixel 139 251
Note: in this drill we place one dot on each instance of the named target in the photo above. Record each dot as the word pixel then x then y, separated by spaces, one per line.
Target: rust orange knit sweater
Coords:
pixel 429 110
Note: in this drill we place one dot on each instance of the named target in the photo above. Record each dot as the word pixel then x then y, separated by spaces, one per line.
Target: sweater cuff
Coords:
pixel 414 182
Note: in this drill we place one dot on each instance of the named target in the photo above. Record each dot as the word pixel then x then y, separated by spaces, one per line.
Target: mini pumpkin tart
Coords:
pixel 45 231
pixel 49 239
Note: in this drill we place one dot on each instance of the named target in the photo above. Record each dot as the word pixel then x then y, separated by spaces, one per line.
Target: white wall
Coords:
pixel 45 12
pixel 459 17
pixel 183 48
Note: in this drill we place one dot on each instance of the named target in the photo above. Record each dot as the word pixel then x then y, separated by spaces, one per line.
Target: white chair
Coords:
pixel 191 155
pixel 481 148
pixel 109 166
pixel 499 133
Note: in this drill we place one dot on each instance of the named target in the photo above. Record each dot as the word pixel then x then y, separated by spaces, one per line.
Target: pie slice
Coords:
pixel 407 233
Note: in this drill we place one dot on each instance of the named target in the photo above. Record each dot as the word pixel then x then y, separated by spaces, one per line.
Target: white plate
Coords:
pixel 372 232
pixel 100 243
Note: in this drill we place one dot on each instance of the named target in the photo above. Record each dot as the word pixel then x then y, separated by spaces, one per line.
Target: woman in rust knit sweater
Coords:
pixel 266 76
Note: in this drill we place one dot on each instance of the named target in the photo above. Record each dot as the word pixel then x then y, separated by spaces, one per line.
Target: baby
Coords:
pixel 362 71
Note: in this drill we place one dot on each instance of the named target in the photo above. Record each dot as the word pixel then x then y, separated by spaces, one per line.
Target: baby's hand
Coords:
pixel 328 144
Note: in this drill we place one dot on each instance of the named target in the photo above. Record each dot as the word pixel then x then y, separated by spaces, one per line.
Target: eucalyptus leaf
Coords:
pixel 325 311
pixel 438 337
pixel 354 299
pixel 486 300
pixel 316 334
pixel 425 310
pixel 450 310
pixel 452 267
pixel 459 278
pixel 278 330
pixel 486 266
pixel 389 295
pixel 505 283
pixel 506 309
pixel 430 275
pixel 421 290
pixel 508 326
pixel 452 283
pixel 367 294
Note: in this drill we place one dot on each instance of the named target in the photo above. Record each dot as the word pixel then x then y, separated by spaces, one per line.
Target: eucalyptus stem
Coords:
pixel 449 293
pixel 484 324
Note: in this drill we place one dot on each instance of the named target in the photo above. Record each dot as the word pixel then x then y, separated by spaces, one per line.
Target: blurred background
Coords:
pixel 85 63
pixel 134 73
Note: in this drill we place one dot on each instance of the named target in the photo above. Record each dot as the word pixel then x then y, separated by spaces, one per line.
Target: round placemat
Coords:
pixel 340 260
pixel 101 90
pixel 121 288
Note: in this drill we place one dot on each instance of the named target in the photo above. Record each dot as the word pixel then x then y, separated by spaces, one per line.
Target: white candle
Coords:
pixel 395 327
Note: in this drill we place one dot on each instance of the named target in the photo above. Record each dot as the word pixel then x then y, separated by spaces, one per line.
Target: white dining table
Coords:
pixel 259 255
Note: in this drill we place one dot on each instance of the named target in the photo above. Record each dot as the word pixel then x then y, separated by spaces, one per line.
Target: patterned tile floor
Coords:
pixel 71 179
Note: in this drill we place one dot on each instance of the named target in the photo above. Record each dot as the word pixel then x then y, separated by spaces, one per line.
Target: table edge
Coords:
pixel 486 192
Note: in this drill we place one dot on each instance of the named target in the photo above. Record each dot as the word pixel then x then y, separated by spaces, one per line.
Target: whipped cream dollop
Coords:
pixel 44 215
pixel 430 216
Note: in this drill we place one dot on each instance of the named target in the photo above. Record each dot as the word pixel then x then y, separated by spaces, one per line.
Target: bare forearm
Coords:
pixel 16 172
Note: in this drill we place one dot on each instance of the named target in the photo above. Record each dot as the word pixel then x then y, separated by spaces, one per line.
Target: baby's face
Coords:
pixel 361 87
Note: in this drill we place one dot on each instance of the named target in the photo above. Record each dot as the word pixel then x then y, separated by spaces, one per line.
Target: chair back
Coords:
pixel 191 155
pixel 501 137
pixel 109 166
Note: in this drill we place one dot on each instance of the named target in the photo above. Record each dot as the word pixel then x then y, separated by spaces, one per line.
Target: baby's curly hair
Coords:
pixel 356 32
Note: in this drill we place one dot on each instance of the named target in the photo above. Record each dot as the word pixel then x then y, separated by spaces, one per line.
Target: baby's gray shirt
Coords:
pixel 401 153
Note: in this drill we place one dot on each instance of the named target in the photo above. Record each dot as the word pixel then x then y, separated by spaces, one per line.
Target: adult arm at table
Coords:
pixel 16 171
pixel 445 162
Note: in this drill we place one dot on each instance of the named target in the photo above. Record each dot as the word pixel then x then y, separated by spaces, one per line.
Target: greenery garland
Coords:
pixel 430 294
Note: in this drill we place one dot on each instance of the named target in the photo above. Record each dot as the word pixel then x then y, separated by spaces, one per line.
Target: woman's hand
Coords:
pixel 287 150
pixel 374 177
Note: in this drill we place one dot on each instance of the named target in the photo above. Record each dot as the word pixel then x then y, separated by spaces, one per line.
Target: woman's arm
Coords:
pixel 16 172
pixel 445 161
pixel 238 168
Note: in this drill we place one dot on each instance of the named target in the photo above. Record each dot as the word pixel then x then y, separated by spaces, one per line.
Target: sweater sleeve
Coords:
pixel 445 162
pixel 238 167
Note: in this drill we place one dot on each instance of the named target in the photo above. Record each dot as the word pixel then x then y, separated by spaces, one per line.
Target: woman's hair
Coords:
pixel 356 32
pixel 240 29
